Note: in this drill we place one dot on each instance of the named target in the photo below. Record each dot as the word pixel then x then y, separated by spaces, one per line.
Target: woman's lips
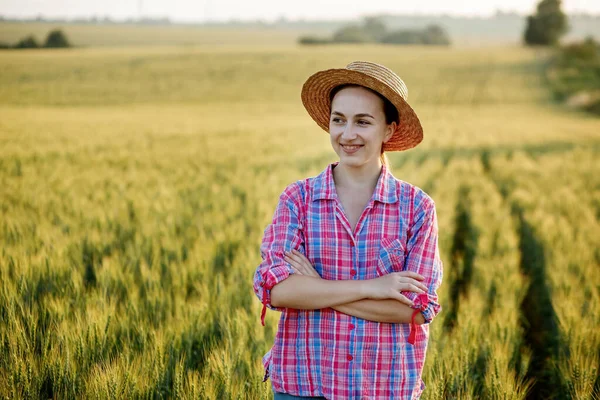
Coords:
pixel 351 149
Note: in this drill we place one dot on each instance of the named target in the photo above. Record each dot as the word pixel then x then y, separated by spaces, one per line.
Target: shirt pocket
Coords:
pixel 392 255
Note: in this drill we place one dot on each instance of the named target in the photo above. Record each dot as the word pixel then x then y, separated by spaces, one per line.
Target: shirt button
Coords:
pixel 351 326
pixel 349 357
pixel 352 272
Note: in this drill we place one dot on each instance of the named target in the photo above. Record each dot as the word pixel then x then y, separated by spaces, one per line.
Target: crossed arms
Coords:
pixel 306 290
pixel 279 285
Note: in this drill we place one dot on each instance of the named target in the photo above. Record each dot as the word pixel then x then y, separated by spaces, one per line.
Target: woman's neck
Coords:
pixel 365 176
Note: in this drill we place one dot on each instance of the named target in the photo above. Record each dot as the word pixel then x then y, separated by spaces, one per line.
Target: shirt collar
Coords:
pixel 385 190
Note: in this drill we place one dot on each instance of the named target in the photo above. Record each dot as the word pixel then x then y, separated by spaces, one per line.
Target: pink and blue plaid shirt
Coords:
pixel 328 353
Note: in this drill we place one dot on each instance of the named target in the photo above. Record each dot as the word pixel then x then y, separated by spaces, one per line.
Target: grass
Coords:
pixel 135 186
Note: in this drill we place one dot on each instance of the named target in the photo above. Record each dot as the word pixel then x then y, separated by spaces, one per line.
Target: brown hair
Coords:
pixel 390 111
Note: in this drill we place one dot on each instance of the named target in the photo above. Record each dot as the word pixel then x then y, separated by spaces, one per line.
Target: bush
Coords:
pixel 588 50
pixel 313 40
pixel 433 34
pixel 28 42
pixel 56 39
pixel 351 34
pixel 402 36
pixel 375 28
pixel 574 75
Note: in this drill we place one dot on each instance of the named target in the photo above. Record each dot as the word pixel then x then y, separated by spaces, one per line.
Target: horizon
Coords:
pixel 186 11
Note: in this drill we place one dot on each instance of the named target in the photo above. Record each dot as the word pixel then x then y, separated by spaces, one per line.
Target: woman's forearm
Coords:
pixel 387 310
pixel 308 293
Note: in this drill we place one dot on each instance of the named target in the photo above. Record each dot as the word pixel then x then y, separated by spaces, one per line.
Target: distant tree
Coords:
pixel 403 36
pixel 313 40
pixel 375 28
pixel 432 34
pixel 374 31
pixel 28 42
pixel 56 39
pixel 351 34
pixel 435 34
pixel 547 25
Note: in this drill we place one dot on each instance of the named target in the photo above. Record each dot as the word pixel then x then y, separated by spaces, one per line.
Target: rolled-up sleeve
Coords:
pixel 423 257
pixel 283 234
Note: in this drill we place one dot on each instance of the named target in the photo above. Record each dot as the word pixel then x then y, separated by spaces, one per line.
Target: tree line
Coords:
pixel 543 28
pixel 373 30
pixel 55 39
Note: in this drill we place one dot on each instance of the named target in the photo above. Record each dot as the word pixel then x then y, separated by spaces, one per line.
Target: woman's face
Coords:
pixel 357 126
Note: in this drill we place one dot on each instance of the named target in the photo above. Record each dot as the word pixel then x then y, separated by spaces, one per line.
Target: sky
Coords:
pixel 268 10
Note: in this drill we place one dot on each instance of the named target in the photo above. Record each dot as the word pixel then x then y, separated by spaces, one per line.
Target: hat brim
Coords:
pixel 315 97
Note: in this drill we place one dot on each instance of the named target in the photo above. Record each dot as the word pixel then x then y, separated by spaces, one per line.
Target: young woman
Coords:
pixel 351 257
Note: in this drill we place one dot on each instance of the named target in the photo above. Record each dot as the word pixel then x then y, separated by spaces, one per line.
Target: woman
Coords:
pixel 351 257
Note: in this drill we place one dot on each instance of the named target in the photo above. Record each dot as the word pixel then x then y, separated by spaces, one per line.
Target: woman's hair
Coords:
pixel 390 111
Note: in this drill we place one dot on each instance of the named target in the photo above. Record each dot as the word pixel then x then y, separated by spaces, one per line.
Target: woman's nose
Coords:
pixel 348 133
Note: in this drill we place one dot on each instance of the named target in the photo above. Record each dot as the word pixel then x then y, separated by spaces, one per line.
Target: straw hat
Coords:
pixel 316 89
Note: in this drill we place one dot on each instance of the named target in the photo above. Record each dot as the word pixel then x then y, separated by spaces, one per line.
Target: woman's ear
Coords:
pixel 391 128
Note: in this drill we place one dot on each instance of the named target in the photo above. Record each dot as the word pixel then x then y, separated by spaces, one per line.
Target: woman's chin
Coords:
pixel 351 161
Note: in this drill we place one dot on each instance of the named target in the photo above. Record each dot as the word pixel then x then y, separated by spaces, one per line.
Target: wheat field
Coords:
pixel 135 184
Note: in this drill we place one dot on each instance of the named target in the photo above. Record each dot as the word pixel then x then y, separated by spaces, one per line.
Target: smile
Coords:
pixel 351 149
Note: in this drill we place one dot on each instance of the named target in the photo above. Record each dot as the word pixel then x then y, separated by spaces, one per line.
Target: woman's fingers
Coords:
pixel 404 299
pixel 411 274
pixel 293 262
pixel 298 271
pixel 296 262
pixel 412 288
pixel 404 279
pixel 417 284
pixel 299 258
pixel 302 258
pixel 301 263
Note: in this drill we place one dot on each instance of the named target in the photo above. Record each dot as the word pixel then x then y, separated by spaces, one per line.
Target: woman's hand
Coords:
pixel 301 264
pixel 389 286
pixel 385 287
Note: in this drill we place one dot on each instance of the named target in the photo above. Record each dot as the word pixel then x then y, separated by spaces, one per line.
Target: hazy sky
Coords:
pixel 220 10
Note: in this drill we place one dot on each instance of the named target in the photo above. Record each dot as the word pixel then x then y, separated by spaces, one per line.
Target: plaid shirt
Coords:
pixel 328 353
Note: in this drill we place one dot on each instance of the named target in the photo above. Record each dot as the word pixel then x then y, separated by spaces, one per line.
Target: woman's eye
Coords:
pixel 336 120
pixel 363 122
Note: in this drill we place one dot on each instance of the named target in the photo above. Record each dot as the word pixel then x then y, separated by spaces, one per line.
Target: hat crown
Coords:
pixel 382 74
